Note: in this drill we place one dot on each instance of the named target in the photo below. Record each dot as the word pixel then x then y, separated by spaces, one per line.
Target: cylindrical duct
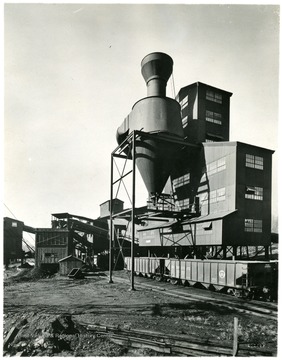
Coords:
pixel 156 69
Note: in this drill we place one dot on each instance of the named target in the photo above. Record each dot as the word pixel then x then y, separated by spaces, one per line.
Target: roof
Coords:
pixel 67 215
pixel 119 221
pixel 198 83
pixel 70 257
pixel 233 143
pixel 158 226
pixel 114 200
pixel 215 216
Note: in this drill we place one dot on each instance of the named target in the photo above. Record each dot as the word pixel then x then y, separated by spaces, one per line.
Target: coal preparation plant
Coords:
pixel 209 198
pixel 207 218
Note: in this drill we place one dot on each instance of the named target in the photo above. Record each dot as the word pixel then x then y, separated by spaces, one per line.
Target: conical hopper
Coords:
pixel 154 160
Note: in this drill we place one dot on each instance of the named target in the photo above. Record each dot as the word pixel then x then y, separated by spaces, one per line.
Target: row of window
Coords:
pixel 216 166
pixel 51 240
pixel 251 192
pixel 181 181
pixel 184 102
pixel 253 161
pixel 213 197
pixel 213 117
pixel 210 95
pixel 214 96
pixel 251 225
pixel 210 116
pixel 254 193
pixel 185 121
pixel 183 204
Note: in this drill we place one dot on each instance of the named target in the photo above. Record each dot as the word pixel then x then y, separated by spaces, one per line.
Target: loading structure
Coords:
pixel 70 234
pixel 209 198
pixel 150 136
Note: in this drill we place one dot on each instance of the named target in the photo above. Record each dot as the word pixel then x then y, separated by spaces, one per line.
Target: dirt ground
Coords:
pixel 50 313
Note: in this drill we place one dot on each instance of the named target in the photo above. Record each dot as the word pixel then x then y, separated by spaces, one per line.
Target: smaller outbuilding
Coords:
pixel 68 263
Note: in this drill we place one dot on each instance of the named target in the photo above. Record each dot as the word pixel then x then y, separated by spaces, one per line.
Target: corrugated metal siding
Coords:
pixel 150 238
pixel 252 209
pixel 222 179
pixel 209 237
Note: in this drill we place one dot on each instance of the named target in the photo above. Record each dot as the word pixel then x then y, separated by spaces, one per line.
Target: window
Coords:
pixel 221 164
pixel 181 181
pixel 213 137
pixel 254 193
pixel 252 225
pixel 185 121
pixel 255 162
pixel 213 96
pixel 216 166
pixel 51 239
pixel 184 102
pixel 14 224
pixel 213 197
pixel 217 195
pixel 213 117
pixel 220 194
pixel 184 203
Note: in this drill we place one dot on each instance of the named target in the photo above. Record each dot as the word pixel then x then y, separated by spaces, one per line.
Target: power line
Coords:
pixel 10 211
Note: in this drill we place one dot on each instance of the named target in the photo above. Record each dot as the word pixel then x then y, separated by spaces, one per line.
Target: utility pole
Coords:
pixel 133 212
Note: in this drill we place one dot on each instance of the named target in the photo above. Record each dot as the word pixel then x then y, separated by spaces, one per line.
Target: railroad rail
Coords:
pixel 171 344
pixel 251 307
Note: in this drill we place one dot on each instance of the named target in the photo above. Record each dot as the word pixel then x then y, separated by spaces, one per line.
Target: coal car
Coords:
pixel 241 278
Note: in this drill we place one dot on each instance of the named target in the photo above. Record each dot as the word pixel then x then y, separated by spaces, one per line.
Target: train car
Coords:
pixel 248 279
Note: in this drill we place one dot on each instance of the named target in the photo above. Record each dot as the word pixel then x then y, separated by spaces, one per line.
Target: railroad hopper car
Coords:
pixel 249 279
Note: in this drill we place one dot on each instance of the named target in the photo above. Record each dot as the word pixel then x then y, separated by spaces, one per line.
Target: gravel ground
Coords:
pixel 49 313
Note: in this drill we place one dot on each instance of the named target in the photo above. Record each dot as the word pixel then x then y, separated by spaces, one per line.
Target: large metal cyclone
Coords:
pixel 154 114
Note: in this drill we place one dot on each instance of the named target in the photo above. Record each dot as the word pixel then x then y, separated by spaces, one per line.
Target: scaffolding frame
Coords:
pixel 128 146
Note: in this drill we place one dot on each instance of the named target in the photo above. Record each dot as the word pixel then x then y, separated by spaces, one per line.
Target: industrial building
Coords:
pixel 13 240
pixel 207 196
pixel 233 187
pixel 13 230
pixel 205 113
pixel 70 234
pixel 70 239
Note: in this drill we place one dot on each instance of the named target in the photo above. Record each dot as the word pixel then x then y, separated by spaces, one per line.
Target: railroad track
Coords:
pixel 171 344
pixel 251 307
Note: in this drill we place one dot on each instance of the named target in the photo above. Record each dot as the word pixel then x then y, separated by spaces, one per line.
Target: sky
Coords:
pixel 72 74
